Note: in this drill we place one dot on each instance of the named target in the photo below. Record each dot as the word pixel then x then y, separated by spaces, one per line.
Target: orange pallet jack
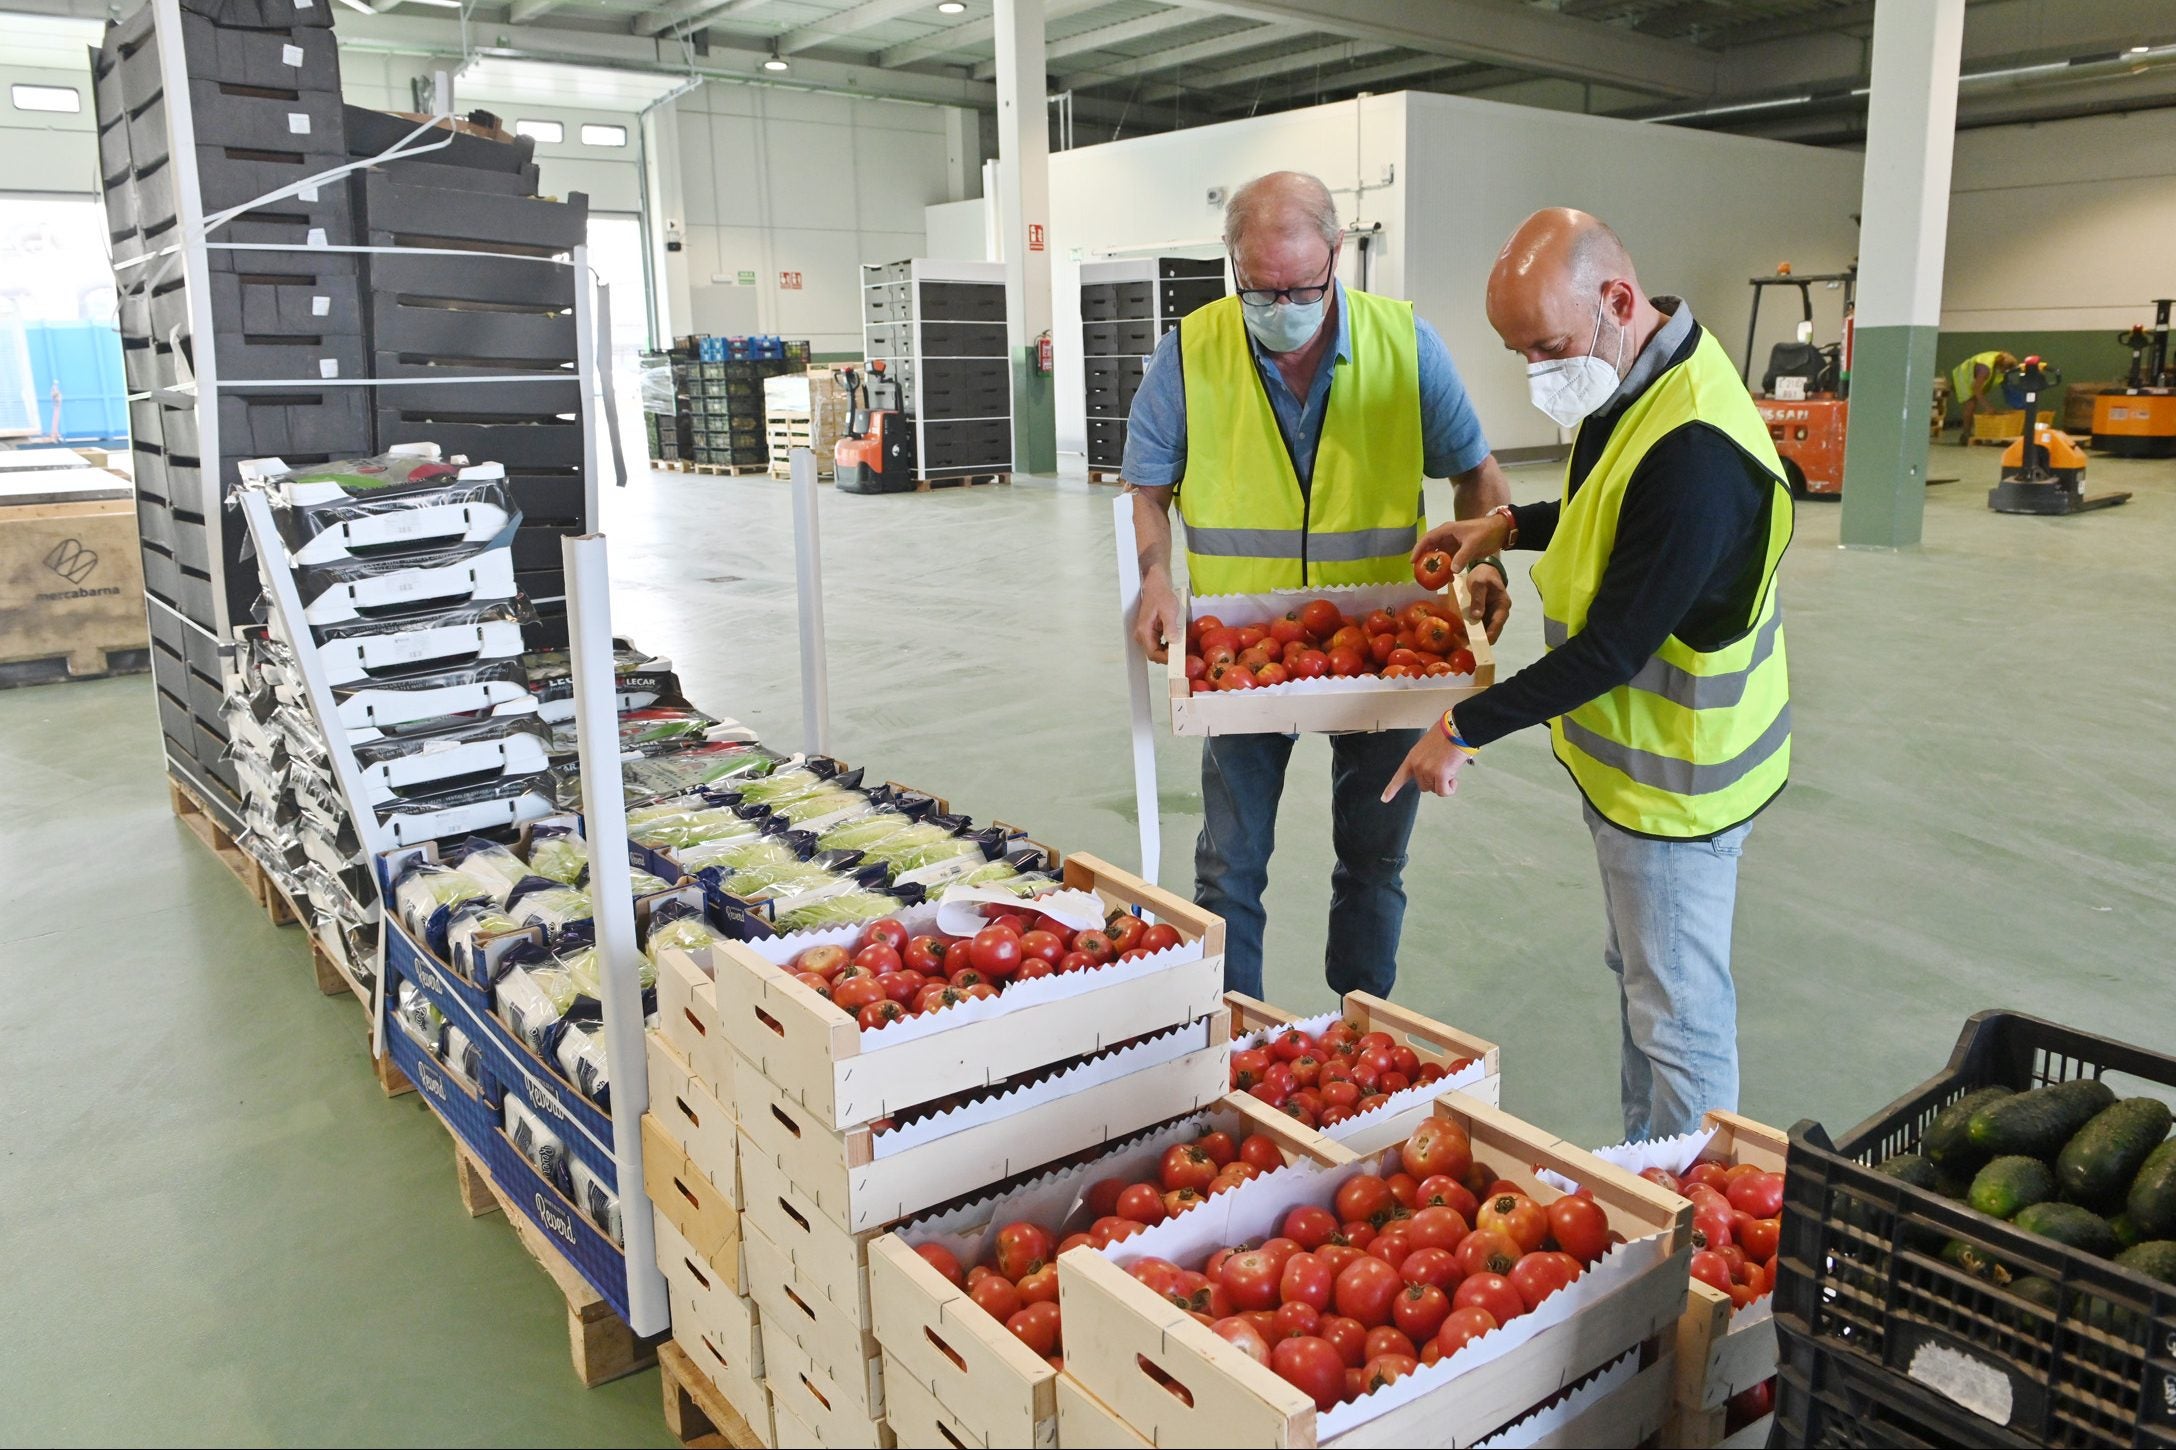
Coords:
pixel 877 455
pixel 2043 472
pixel 2140 421
pixel 1808 429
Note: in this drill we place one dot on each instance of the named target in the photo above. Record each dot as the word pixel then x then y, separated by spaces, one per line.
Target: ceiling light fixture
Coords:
pixel 776 62
pixel 952 7
pixel 2140 49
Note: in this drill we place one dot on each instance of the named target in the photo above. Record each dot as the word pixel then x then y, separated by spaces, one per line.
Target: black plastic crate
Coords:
pixel 1111 301
pixel 1829 1397
pixel 1176 299
pixel 962 302
pixel 370 133
pixel 398 215
pixel 1860 1266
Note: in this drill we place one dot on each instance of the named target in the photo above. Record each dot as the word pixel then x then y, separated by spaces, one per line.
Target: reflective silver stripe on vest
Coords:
pixel 1323 548
pixel 1681 777
pixel 1681 686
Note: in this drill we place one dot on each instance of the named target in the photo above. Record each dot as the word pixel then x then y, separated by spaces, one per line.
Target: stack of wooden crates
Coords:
pixel 765 1159
pixel 804 410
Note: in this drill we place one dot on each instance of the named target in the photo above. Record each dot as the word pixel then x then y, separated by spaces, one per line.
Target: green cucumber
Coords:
pixel 1946 1141
pixel 2101 1158
pixel 2037 1124
pixel 2152 1201
pixel 2155 1258
pixel 2067 1223
pixel 2010 1184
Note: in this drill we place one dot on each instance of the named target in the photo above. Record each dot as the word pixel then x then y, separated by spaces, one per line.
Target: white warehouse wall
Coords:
pixel 48 150
pixel 774 181
pixel 1700 212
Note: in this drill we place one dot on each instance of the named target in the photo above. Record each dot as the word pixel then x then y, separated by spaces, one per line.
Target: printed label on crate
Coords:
pixel 291 55
pixel 1956 1371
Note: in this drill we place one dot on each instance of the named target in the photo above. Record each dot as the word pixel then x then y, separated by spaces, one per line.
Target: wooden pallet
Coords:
pixel 968 480
pixel 604 1348
pixel 87 663
pixel 695 1413
pixel 189 808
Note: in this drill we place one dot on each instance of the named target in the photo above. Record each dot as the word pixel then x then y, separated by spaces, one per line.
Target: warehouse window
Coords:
pixel 594 135
pixel 46 98
pixel 549 132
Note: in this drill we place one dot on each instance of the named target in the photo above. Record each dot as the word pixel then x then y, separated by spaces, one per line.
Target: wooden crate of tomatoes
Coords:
pixel 1354 657
pixel 966 1302
pixel 1732 1174
pixel 1430 1295
pixel 1365 1074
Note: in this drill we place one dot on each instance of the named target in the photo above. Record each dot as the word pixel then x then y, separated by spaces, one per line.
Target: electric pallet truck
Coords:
pixel 2043 472
pixel 877 455
pixel 2140 421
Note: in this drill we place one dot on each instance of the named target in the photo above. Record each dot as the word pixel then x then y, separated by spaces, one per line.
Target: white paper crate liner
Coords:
pixel 1420 1094
pixel 1539 1425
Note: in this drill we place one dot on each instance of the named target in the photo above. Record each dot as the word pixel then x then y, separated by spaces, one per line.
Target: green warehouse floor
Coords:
pixel 216 1228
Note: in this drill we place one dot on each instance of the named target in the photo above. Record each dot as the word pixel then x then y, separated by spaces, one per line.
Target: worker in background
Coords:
pixel 1971 379
pixel 1294 423
pixel 1663 685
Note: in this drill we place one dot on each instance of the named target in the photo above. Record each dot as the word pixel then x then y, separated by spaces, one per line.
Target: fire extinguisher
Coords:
pixel 1042 354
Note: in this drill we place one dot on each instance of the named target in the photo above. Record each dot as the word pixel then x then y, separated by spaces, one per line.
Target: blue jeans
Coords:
pixel 1669 906
pixel 1242 777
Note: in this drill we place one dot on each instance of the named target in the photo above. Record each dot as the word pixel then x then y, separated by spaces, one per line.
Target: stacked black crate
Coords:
pixel 240 102
pixel 439 323
pixel 939 328
pixel 667 425
pixel 723 399
pixel 1125 307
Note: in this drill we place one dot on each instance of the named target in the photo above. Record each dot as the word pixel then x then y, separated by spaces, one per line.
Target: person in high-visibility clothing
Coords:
pixel 1663 683
pixel 1293 423
pixel 1971 379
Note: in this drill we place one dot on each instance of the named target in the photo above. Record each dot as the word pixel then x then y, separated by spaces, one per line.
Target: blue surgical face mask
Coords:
pixel 1284 326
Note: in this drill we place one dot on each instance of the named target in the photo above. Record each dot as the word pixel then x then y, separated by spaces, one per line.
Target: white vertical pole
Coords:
pixel 1137 696
pixel 604 825
pixel 808 571
pixel 585 369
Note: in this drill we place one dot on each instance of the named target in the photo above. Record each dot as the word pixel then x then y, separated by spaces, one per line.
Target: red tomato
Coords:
pixel 1538 1275
pixel 1712 1269
pixel 1219 1146
pixel 888 930
pixel 1443 1191
pixel 1385 1369
pixel 1365 1197
pixel 1306 1279
pixel 1179 1200
pixel 967 977
pixel 997 1296
pixel 1710 1227
pixel 1436 1227
pixel 1337 1256
pixel 1420 1310
pixel 1022 1248
pixel 1101 1200
pixel 1757 1193
pixel 1750 1405
pixel 1663 1178
pixel 859 993
pixel 1311 1365
pixel 1260 1152
pixel 1242 1333
pixel 1075 962
pixel 1107 1231
pixel 1320 618
pixel 1185 1165
pixel 1350 1337
pixel 902 986
pixel 879 957
pixel 1294 1319
pixel 1310 1227
pixel 1364 1290
pixel 1097 944
pixel 1485 1251
pixel 1517 1217
pixel 1431 1266
pixel 1047 945
pixel 1159 938
pixel 943 1260
pixel 1759 1236
pixel 820 985
pixel 1710 1174
pixel 925 954
pixel 995 951
pixel 1392 1244
pixel 1038 1327
pixel 879 1014
pixel 1579 1227
pixel 1438 1145
pixel 1403 1188
pixel 1248 1066
pixel 1141 1202
pixel 1311 664
pixel 1388 1339
pixel 1465 1324
pixel 1124 929
pixel 1163 1278
pixel 1345 660
pixel 1252 1279
pixel 1492 1292
pixel 823 961
pixel 1433 569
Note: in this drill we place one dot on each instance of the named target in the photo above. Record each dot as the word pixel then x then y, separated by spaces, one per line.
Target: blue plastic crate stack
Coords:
pixel 702 401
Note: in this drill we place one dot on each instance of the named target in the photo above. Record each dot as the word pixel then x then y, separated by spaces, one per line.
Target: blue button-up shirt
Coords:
pixel 1451 439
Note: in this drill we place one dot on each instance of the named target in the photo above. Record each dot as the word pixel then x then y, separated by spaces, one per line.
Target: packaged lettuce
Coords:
pixel 599 1204
pixel 426 894
pixel 535 1142
pixel 865 831
pixel 673 807
pixel 1005 875
pixel 558 853
pixel 736 855
pixel 493 864
pixel 585 971
pixel 784 785
pixel 647 885
pixel 532 999
pixel 416 1013
pixel 761 883
pixel 555 908
pixel 847 908
pixel 912 853
pixel 471 922
pixel 685 931
pixel 832 800
pixel 690 828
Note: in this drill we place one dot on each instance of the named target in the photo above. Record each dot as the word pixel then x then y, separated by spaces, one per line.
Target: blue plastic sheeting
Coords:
pixel 84 358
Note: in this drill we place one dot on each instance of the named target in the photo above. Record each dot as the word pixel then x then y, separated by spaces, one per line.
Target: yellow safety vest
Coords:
pixel 1962 376
pixel 1698 740
pixel 1249 528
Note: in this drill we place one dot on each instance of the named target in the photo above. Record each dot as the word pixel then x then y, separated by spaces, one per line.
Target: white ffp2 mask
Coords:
pixel 1284 326
pixel 1569 389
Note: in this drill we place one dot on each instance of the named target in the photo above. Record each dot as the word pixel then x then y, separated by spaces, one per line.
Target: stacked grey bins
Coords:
pixel 1124 308
pixel 939 329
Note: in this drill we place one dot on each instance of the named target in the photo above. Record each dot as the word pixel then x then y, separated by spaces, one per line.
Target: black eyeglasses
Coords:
pixel 1305 296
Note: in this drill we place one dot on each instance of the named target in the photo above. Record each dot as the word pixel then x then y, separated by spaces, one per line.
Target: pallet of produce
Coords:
pixel 1999 1241
pixel 714 1322
pixel 1353 657
pixel 694 1117
pixel 1731 1171
pixel 1394 1064
pixel 1411 1331
pixel 955 1297
pixel 1009 1018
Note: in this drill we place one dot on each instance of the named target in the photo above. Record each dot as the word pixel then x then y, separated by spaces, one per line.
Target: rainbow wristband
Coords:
pixel 1450 733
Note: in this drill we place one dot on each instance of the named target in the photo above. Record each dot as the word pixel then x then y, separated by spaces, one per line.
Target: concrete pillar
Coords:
pixel 1023 146
pixel 1903 228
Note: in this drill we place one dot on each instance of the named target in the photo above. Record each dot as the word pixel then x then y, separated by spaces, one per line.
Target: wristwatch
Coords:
pixel 1511 524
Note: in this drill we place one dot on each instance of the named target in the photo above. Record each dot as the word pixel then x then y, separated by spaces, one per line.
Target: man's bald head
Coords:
pixel 1549 279
pixel 1282 203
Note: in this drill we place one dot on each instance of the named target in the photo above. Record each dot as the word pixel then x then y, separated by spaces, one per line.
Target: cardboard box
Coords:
pixel 71 581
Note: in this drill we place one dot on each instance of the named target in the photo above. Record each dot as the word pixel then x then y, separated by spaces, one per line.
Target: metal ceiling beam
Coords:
pixel 1498 33
pixel 1333 61
pixel 1103 37
pixel 1180 57
pixel 847 22
pixel 973 36
pixel 525 11
pixel 1340 81
pixel 689 15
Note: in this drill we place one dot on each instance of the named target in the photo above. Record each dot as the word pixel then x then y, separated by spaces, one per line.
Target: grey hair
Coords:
pixel 1287 201
pixel 1598 255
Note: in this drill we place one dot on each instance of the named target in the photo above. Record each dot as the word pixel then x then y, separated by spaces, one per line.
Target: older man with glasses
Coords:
pixel 1294 424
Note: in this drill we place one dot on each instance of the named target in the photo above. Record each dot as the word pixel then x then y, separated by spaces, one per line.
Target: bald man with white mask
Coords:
pixel 1293 424
pixel 1664 686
